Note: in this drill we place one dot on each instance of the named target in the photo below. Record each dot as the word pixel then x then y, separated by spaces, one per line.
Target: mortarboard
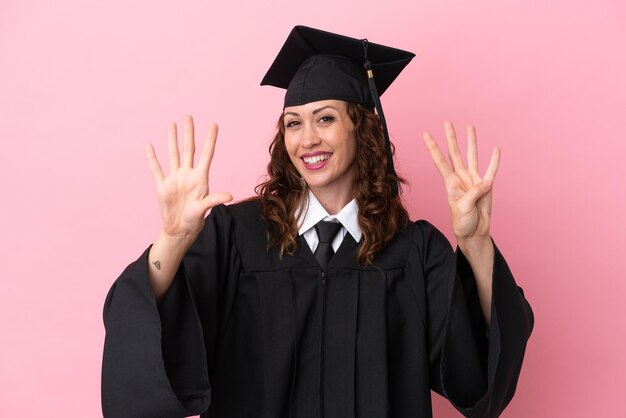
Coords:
pixel 318 65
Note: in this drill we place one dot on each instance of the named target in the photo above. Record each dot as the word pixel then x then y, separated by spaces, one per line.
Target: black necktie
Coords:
pixel 326 231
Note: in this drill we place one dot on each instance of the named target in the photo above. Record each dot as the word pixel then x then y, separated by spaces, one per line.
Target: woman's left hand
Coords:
pixel 469 195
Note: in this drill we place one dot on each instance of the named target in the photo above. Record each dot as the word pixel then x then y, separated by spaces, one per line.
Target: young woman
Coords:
pixel 317 298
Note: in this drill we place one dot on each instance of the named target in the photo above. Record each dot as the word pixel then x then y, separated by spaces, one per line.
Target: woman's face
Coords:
pixel 319 137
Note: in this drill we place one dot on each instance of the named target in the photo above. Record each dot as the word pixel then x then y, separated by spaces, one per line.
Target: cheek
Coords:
pixel 290 145
pixel 351 150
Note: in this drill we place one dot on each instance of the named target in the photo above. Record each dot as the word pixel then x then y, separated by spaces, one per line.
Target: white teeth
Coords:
pixel 316 159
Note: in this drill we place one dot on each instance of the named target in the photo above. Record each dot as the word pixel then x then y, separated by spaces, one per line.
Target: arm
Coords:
pixel 477 375
pixel 164 258
pixel 480 255
pixel 155 357
pixel 469 199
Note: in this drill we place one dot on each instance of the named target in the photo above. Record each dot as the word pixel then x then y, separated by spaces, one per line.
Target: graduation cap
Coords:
pixel 317 65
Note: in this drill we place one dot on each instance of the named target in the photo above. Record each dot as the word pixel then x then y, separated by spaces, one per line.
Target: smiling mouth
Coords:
pixel 316 158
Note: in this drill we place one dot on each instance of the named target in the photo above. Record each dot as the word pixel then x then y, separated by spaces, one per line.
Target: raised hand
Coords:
pixel 183 194
pixel 469 195
pixel 469 198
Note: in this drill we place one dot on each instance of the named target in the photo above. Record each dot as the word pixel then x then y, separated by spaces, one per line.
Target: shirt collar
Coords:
pixel 315 212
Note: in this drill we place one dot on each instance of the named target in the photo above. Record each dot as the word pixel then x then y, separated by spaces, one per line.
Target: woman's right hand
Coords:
pixel 183 194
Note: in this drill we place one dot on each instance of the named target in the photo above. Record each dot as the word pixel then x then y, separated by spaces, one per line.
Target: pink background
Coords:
pixel 84 84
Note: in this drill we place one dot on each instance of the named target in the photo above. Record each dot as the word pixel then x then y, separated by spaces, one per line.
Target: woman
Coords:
pixel 318 298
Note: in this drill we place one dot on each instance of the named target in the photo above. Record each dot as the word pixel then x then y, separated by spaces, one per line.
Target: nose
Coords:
pixel 310 136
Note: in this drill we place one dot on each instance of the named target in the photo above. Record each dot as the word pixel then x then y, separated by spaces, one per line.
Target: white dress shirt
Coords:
pixel 315 212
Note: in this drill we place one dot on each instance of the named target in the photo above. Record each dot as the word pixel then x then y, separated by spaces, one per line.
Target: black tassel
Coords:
pixel 379 109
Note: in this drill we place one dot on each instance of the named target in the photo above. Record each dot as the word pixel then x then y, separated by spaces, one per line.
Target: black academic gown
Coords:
pixel 242 333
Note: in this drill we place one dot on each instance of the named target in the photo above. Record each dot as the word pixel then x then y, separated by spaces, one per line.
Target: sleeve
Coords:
pixel 157 358
pixel 477 373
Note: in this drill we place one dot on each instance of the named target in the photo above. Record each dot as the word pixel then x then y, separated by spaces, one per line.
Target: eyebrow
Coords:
pixel 315 112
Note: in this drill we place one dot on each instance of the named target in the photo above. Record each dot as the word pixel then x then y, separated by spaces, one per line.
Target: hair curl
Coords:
pixel 381 214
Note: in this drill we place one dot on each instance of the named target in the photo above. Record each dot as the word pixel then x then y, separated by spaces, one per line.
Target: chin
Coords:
pixel 314 184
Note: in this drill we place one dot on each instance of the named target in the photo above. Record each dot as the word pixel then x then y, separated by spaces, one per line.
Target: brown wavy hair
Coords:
pixel 381 215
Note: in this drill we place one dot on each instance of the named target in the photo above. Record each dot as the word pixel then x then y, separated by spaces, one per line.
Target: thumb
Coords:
pixel 474 194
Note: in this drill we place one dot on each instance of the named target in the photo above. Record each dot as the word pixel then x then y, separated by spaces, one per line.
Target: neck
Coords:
pixel 333 200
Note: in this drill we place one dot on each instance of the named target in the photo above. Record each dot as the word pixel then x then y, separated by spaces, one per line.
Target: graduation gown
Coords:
pixel 244 333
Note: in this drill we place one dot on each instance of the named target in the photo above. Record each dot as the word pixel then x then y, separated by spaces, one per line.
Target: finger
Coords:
pixel 492 169
pixel 478 190
pixel 172 146
pixel 437 156
pixel 453 147
pixel 189 146
pixel 215 199
pixel 153 162
pixel 208 148
pixel 472 150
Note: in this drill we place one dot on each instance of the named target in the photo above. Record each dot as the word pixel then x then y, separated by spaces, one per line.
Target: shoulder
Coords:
pixel 242 219
pixel 247 207
pixel 430 242
pixel 424 233
pixel 417 240
pixel 246 212
pixel 246 215
pixel 417 233
pixel 247 224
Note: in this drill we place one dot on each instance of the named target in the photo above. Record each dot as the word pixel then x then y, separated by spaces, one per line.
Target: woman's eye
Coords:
pixel 292 123
pixel 327 119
